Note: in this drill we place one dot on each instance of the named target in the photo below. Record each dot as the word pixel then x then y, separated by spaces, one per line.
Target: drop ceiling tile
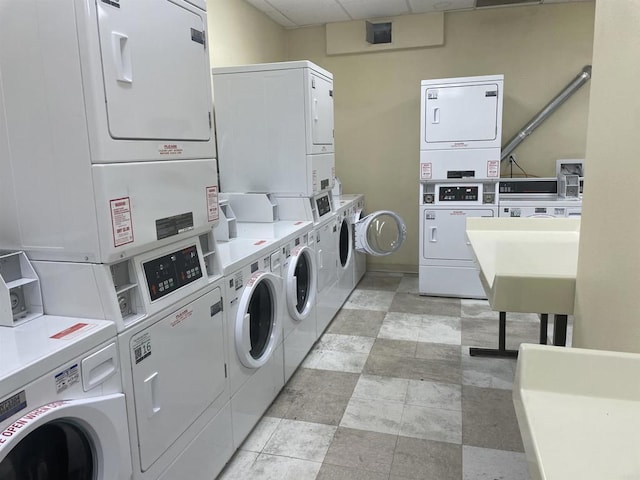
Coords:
pixel 426 6
pixel 303 13
pixel 360 9
pixel 565 1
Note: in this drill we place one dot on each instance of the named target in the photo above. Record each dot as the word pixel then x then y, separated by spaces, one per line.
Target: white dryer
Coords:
pixel 62 410
pixel 254 313
pixel 346 251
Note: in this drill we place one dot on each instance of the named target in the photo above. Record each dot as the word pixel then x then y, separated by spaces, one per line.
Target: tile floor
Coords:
pixel 390 392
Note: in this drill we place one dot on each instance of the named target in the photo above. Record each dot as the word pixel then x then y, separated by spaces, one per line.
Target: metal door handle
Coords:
pixel 433 237
pixel 436 115
pixel 151 390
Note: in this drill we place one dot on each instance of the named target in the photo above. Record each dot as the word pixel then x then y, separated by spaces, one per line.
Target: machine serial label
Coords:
pixel 67 377
pixel 212 203
pixel 170 149
pixel 238 281
pixel 141 347
pixel 121 221
pixel 13 405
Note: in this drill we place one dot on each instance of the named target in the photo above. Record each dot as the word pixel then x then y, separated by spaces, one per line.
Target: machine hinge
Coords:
pixel 331 93
pixel 209 119
pixel 225 370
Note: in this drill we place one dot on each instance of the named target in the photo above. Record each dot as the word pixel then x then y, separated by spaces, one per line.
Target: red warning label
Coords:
pixel 260 242
pixel 68 331
pixel 121 222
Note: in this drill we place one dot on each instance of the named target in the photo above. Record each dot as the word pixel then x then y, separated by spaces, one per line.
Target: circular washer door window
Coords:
pixel 56 450
pixel 258 322
pixel 345 242
pixel 301 283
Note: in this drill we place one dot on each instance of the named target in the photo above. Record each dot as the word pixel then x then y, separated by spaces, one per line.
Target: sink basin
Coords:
pixel 579 412
pixel 527 264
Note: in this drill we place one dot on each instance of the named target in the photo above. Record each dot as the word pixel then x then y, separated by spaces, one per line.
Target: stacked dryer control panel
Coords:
pixel 460 136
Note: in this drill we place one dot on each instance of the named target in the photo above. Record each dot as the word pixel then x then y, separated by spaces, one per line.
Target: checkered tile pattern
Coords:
pixel 390 392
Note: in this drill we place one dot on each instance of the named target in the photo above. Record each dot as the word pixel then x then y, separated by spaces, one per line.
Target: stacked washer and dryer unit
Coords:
pixel 460 136
pixel 109 185
pixel 275 134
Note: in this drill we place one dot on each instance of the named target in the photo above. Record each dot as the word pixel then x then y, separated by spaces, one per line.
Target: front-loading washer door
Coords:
pixel 380 233
pixel 345 242
pixel 301 282
pixel 257 324
pixel 68 439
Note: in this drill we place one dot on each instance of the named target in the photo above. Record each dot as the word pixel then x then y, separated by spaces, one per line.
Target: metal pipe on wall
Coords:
pixel 543 114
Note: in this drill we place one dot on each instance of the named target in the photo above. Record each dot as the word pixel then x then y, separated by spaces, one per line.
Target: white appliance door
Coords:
pixel 85 438
pixel 461 113
pixel 301 282
pixel 444 233
pixel 258 321
pixel 154 59
pixel 326 254
pixel 345 242
pixel 178 370
pixel 321 110
pixel 380 233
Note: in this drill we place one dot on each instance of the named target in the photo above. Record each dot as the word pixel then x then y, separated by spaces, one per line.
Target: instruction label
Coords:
pixel 170 149
pixel 141 347
pixel 121 222
pixel 493 168
pixel 425 171
pixel 67 377
pixel 212 204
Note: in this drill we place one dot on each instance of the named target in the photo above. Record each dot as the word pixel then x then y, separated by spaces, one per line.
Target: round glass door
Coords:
pixel 258 322
pixel 301 283
pixel 345 242
pixel 380 233
pixel 56 450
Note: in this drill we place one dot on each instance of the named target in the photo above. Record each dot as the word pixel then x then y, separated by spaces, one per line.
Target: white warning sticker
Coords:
pixel 493 168
pixel 170 149
pixel 121 221
pixel 212 203
pixel 67 377
pixel 314 180
pixel 425 171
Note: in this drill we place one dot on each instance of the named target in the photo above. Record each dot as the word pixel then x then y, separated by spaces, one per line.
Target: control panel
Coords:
pixel 456 193
pixel 170 272
pixel 324 205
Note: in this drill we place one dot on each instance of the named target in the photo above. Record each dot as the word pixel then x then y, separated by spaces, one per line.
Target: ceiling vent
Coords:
pixel 379 32
pixel 505 3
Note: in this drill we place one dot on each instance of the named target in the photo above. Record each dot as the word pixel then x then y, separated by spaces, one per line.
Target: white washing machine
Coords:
pixel 300 277
pixel 62 411
pixel 254 313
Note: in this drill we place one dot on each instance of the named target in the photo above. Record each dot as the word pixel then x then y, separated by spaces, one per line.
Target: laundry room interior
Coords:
pixel 320 239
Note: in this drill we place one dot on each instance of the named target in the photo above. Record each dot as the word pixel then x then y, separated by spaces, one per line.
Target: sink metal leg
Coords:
pixel 560 330
pixel 501 351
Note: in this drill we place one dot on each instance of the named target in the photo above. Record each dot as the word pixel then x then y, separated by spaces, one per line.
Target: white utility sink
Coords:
pixel 579 413
pixel 527 264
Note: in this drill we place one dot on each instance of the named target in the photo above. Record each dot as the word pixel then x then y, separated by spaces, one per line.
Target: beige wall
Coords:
pixel 239 34
pixel 538 48
pixel 608 283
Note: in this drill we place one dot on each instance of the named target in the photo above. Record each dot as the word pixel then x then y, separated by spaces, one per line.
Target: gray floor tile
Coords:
pixel 487 464
pixel 320 381
pixel 432 424
pixel 369 300
pixel 280 406
pixel 387 346
pixel 344 343
pixel 335 360
pixel 384 388
pixel 310 440
pixel 260 434
pixel 380 281
pixel 482 309
pixel 489 419
pixel 421 328
pixel 413 368
pixel 438 351
pixel 362 450
pixel 408 284
pixel 480 332
pixel 245 465
pixel 365 323
pixel 426 459
pixel 373 415
pixel 335 472
pixel 312 407
pixel 487 372
pixel 410 303
pixel 447 396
